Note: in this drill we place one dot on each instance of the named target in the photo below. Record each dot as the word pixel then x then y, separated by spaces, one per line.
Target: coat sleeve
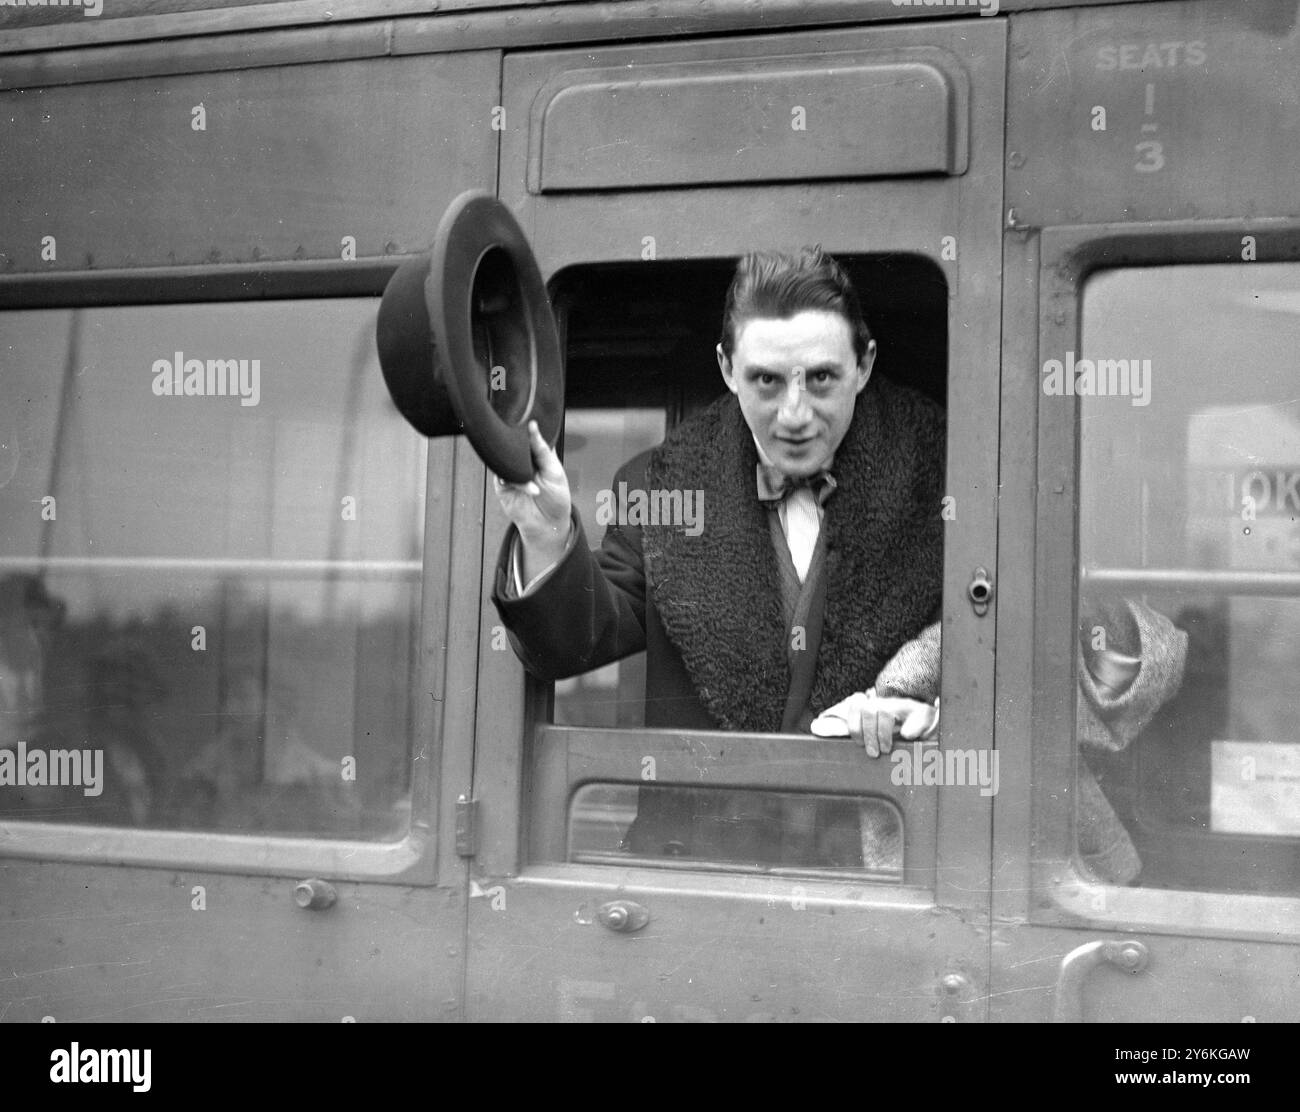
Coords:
pixel 914 670
pixel 590 609
pixel 1109 719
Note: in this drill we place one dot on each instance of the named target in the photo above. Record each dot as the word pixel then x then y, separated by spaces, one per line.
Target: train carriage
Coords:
pixel 265 753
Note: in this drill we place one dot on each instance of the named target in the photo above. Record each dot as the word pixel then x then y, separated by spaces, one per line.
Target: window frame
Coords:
pixel 559 760
pixel 564 759
pixel 412 859
pixel 1067 893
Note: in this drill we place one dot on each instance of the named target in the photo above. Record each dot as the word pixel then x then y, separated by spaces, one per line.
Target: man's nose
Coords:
pixel 795 409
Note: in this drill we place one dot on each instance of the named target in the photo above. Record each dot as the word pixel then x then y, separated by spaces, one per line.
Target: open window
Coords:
pixel 639 342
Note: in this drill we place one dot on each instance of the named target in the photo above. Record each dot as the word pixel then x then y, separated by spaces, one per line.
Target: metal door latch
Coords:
pixel 314 894
pixel 980 592
pixel 466 814
pixel 623 916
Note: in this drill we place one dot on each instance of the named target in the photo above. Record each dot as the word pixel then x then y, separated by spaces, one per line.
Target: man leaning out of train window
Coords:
pixel 804 591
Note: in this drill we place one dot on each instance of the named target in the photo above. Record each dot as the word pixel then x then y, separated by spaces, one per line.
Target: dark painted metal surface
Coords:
pixel 1200 103
pixel 172 284
pixel 474 23
pixel 96 943
pixel 283 168
pixel 878 114
pixel 768 953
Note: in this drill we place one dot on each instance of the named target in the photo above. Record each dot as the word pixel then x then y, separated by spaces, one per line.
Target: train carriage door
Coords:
pixel 815 883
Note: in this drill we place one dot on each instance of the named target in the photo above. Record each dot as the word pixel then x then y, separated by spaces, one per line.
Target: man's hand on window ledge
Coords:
pixel 875 720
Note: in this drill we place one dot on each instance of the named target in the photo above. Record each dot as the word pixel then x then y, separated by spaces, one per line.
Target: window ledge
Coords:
pixel 408 861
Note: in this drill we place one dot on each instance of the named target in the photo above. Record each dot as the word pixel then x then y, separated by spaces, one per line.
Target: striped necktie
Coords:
pixel 802 519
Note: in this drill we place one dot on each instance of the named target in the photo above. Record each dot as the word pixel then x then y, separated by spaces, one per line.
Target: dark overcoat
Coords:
pixel 707 608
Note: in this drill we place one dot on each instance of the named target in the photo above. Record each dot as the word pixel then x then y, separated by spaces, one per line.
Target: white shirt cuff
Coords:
pixel 522 590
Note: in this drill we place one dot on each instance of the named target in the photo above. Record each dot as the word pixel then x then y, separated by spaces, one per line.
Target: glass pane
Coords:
pixel 759 830
pixel 1189 716
pixel 209 569
pixel 597 442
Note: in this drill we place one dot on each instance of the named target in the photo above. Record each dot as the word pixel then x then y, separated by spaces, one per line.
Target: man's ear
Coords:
pixel 865 364
pixel 724 365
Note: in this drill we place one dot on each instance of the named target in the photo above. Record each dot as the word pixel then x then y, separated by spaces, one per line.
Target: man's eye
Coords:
pixel 766 379
pixel 822 377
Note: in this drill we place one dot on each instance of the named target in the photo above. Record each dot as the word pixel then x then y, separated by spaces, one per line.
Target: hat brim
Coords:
pixel 495 342
pixel 467 342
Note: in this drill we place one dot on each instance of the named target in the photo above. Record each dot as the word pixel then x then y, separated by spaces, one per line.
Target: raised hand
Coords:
pixel 540 508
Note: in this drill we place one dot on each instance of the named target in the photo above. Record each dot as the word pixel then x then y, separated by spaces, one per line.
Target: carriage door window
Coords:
pixel 1189 605
pixel 209 570
pixel 639 360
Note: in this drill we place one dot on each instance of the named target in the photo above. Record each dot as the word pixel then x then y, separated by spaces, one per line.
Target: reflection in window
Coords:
pixel 218 591
pixel 1188 708
pixel 597 442
pixel 758 830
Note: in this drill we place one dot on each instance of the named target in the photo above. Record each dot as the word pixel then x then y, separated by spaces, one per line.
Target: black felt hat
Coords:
pixel 467 341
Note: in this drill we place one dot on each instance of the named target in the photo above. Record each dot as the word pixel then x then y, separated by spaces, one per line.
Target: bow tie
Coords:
pixel 773 485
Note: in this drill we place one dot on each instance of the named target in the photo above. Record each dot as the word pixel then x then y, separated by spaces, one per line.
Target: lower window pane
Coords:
pixel 759 830
pixel 1210 789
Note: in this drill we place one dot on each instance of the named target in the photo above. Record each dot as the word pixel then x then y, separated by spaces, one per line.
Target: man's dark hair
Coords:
pixel 777 285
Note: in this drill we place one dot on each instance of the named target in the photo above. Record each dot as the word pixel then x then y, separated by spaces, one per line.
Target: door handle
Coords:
pixel 1129 955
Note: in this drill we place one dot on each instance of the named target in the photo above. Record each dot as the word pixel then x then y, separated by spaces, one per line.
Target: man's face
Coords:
pixel 797 380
